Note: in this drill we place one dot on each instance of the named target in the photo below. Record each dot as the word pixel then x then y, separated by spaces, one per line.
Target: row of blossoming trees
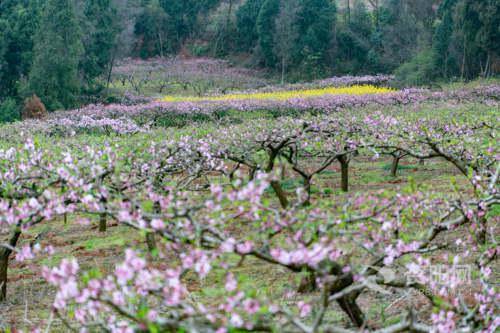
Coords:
pixel 141 116
pixel 206 204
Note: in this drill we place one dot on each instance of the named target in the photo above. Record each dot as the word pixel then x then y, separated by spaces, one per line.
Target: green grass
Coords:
pixel 104 242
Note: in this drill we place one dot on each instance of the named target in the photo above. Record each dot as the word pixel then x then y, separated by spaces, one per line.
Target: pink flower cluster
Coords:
pixel 208 201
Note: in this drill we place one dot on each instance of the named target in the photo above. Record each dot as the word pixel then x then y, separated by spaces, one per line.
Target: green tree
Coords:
pixel 360 20
pixel 184 15
pixel 399 32
pixel 3 52
pixel 487 35
pixel 9 110
pixel 418 71
pixel 101 31
pixel 353 41
pixel 266 22
pixel 467 37
pixel 221 27
pixel 58 50
pixel 153 30
pixel 286 33
pixel 246 23
pixel 18 23
pixel 442 38
pixel 316 22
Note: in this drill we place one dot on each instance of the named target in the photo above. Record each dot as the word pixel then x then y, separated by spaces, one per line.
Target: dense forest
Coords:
pixel 64 50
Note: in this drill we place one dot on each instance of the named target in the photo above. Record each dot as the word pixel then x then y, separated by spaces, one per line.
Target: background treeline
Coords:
pixel 64 50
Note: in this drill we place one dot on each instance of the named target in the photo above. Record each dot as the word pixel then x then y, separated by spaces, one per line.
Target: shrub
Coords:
pixel 419 71
pixel 9 111
pixel 33 108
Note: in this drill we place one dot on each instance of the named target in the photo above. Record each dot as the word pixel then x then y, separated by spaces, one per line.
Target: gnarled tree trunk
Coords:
pixel 150 236
pixel 103 217
pixel 102 222
pixel 4 264
pixel 280 193
pixel 394 166
pixel 344 172
pixel 396 158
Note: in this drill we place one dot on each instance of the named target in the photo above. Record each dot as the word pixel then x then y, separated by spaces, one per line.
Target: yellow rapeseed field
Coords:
pixel 285 95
